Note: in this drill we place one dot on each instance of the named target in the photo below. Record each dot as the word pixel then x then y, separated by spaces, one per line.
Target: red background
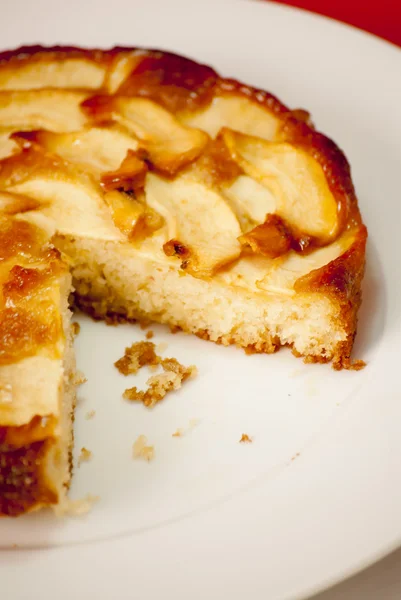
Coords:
pixel 381 17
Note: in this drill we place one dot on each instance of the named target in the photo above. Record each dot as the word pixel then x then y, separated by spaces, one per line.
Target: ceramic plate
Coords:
pixel 317 494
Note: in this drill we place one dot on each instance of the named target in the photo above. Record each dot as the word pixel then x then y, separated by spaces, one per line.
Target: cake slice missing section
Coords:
pixel 37 368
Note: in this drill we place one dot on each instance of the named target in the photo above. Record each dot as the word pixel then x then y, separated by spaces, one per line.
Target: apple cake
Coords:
pixel 140 185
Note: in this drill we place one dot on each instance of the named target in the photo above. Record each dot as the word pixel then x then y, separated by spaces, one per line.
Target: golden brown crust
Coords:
pixel 341 280
pixel 28 319
pixel 23 483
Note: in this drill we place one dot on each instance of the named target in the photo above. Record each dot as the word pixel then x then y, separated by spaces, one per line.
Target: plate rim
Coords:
pixel 392 545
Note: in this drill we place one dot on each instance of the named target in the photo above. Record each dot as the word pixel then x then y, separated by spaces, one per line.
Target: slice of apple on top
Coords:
pixel 234 111
pixel 294 178
pixel 251 201
pixel 287 270
pixel 279 275
pixel 95 149
pixel 71 199
pixel 52 109
pixel 205 227
pixel 169 144
pixel 42 71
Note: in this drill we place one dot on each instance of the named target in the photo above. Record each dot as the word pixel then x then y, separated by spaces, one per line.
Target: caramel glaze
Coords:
pixel 272 238
pixel 29 319
pixel 181 84
pixel 175 82
pixel 129 177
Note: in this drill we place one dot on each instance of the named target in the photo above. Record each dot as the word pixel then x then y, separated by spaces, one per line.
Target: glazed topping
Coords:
pixel 29 307
pixel 206 173
pixel 272 238
pixel 173 81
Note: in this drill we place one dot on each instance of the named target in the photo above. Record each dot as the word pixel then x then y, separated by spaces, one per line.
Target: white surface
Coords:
pixel 209 517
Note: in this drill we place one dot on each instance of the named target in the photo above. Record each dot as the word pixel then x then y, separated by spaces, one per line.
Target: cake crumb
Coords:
pixel 160 385
pixel 295 456
pixel 357 365
pixel 180 432
pixel 76 328
pixel 85 456
pixel 90 414
pixel 149 334
pixel 80 378
pixel 161 347
pixel 136 356
pixel 75 508
pixel 348 364
pixel 245 439
pixel 140 449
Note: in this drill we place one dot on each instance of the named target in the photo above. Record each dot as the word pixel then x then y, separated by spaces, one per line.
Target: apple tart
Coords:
pixel 154 189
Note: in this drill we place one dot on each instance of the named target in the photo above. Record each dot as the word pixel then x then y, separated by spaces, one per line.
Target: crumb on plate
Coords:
pixel 140 449
pixel 84 456
pixel 149 334
pixel 137 355
pixel 349 365
pixel 245 439
pixel 75 508
pixel 180 432
pixel 76 328
pixel 80 378
pixel 90 414
pixel 160 385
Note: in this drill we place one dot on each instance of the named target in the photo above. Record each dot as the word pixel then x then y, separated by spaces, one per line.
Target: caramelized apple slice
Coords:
pixel 12 204
pixel 130 175
pixel 95 149
pixel 296 180
pixel 206 227
pixel 234 112
pixel 56 110
pixel 272 238
pixel 45 71
pixel 280 275
pixel 72 200
pixel 169 144
pixel 250 199
pixel 126 211
pixel 286 271
pixel 120 68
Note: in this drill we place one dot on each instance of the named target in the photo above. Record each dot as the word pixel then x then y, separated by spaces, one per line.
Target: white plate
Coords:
pixel 316 496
